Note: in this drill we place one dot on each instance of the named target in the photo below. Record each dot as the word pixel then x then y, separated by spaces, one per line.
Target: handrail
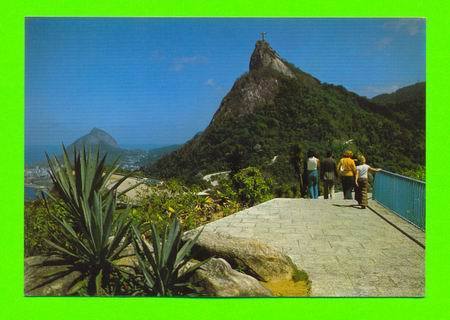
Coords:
pixel 402 176
pixel 403 195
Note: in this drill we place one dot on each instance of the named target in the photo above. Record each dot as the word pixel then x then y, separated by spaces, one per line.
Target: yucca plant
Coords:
pixel 164 261
pixel 92 236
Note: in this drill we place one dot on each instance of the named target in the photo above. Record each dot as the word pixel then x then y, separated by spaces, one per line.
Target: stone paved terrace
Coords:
pixel 345 250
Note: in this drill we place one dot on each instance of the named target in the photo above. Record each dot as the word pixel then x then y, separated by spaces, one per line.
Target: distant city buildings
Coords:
pixel 39 175
pixel 36 172
pixel 133 162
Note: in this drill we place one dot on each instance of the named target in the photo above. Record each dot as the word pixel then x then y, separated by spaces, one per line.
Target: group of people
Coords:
pixel 353 173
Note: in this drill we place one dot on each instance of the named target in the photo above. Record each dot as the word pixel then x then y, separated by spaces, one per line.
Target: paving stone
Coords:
pixel 346 251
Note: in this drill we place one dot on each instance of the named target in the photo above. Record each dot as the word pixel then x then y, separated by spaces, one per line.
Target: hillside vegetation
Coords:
pixel 271 108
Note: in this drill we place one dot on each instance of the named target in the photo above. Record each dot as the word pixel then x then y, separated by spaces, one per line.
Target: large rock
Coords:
pixel 252 256
pixel 45 277
pixel 265 57
pixel 218 279
pixel 48 276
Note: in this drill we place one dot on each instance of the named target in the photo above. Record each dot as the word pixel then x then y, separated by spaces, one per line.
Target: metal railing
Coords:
pixel 405 196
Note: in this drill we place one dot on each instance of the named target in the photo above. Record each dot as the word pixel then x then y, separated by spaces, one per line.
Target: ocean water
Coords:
pixel 35 154
pixel 31 193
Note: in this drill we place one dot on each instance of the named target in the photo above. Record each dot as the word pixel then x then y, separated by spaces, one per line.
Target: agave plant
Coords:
pixel 164 262
pixel 76 183
pixel 92 236
pixel 93 250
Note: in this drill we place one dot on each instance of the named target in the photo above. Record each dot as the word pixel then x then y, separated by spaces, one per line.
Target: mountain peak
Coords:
pixel 265 57
pixel 97 131
pixel 96 137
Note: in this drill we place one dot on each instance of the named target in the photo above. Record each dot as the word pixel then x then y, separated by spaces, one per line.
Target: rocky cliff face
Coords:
pixel 246 95
pixel 257 87
pixel 265 57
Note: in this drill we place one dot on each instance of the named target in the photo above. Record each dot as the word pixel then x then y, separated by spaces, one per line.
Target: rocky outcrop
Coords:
pixel 265 57
pixel 247 94
pixel 259 268
pixel 254 89
pixel 252 256
pixel 218 279
pixel 45 276
pixel 49 276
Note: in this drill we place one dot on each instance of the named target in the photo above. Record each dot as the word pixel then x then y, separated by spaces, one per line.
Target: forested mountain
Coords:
pixel 405 106
pixel 275 106
pixel 155 154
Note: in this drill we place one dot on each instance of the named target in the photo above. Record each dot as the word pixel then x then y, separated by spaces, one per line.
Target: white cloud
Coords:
pixel 180 63
pixel 210 83
pixel 408 26
pixel 384 42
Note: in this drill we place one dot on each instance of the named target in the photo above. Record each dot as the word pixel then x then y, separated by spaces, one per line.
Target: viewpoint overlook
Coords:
pixel 251 205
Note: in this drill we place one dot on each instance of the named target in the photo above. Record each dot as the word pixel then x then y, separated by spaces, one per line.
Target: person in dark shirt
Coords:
pixel 328 174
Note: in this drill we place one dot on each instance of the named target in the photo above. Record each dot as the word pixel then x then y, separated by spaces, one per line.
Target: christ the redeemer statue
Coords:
pixel 262 36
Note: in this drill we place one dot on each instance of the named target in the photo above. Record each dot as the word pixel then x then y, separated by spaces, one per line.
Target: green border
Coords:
pixel 15 306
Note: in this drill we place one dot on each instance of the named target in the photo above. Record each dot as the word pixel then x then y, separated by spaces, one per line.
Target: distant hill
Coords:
pixel 155 154
pixel 414 92
pixel 275 106
pixel 98 138
pixel 405 106
pixel 106 144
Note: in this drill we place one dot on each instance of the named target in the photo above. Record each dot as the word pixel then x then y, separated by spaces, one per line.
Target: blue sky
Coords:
pixel 159 81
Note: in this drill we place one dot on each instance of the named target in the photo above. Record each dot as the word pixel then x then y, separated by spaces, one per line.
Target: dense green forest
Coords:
pixel 153 155
pixel 405 106
pixel 299 111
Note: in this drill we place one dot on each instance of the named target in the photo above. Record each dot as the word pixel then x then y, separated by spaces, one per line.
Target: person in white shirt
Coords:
pixel 312 167
pixel 361 181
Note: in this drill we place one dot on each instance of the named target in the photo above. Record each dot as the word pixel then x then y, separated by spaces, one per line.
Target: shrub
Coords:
pixel 417 173
pixel 287 191
pixel 251 187
pixel 164 201
pixel 39 226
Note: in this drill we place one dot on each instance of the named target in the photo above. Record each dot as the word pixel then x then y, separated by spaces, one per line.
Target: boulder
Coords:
pixel 48 276
pixel 45 276
pixel 252 256
pixel 218 279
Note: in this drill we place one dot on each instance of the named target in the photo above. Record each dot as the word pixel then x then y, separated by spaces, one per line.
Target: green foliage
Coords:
pixel 224 190
pixel 155 154
pixel 417 173
pixel 287 190
pixel 164 262
pixel 300 275
pixel 251 186
pixel 192 209
pixel 40 226
pixel 91 237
